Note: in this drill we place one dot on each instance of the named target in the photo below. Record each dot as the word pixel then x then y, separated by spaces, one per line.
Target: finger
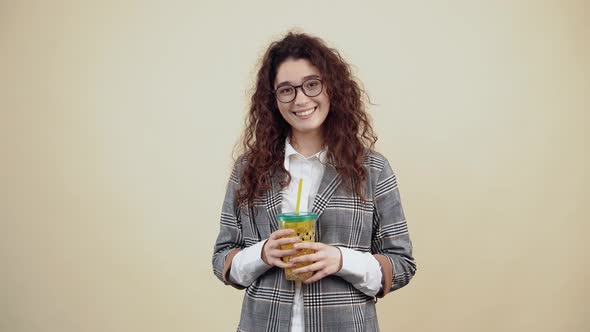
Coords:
pixel 283 265
pixel 310 268
pixel 281 243
pixel 306 258
pixel 281 233
pixel 279 253
pixel 287 240
pixel 283 253
pixel 277 243
pixel 309 245
pixel 315 277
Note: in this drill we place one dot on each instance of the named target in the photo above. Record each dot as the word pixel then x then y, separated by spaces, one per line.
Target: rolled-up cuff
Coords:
pixel 387 275
pixel 227 268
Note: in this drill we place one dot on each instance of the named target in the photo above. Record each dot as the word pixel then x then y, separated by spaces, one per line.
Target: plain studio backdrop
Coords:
pixel 118 120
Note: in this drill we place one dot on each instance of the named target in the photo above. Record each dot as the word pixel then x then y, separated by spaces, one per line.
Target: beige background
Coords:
pixel 118 121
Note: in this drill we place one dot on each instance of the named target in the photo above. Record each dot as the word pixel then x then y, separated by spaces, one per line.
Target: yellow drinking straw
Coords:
pixel 298 196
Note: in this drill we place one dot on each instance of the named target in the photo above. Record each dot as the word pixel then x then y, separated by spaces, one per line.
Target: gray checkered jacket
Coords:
pixel 377 225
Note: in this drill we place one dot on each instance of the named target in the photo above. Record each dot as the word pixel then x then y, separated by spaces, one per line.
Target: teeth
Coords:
pixel 305 112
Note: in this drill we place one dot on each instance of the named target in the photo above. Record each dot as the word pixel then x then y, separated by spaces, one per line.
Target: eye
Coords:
pixel 285 90
pixel 313 84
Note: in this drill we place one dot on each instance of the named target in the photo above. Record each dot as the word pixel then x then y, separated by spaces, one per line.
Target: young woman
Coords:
pixel 307 120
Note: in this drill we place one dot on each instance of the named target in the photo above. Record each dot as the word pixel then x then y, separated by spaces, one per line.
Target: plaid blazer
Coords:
pixel 377 225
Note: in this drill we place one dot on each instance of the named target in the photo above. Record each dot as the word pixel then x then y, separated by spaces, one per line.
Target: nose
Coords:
pixel 300 97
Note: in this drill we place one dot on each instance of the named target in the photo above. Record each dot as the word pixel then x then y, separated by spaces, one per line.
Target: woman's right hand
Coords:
pixel 272 253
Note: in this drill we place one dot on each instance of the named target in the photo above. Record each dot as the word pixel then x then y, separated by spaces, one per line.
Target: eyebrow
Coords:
pixel 291 83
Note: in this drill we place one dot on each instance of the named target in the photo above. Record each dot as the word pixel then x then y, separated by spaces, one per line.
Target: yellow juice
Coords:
pixel 304 226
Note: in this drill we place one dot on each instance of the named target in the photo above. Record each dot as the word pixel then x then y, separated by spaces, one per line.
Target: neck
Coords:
pixel 307 144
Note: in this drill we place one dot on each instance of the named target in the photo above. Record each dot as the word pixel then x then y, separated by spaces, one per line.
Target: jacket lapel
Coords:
pixel 330 181
pixel 273 201
pixel 273 198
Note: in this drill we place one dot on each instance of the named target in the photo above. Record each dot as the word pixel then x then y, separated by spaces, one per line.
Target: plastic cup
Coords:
pixel 304 226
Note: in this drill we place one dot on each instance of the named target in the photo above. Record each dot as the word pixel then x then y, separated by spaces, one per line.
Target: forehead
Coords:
pixel 293 71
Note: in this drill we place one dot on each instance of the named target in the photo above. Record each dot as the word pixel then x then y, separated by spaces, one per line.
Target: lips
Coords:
pixel 305 113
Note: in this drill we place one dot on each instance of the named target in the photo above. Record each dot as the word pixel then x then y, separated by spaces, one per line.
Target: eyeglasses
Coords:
pixel 311 87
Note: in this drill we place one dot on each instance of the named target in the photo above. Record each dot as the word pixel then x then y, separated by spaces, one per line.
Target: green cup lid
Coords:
pixel 292 217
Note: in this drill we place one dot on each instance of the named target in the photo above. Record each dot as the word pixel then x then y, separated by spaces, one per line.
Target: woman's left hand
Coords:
pixel 326 260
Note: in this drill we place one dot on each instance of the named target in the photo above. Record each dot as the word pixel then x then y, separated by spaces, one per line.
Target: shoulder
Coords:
pixel 238 168
pixel 375 160
pixel 378 168
pixel 241 161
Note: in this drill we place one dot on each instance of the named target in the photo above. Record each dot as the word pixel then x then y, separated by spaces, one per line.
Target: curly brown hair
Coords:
pixel 347 130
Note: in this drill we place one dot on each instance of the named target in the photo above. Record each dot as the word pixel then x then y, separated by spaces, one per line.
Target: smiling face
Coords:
pixel 305 114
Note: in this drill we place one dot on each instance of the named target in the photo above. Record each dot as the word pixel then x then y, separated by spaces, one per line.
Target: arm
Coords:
pixel 361 270
pixel 391 244
pixel 252 262
pixel 234 263
pixel 229 241
pixel 247 265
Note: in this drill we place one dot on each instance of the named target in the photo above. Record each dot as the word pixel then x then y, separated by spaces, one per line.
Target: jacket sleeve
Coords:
pixel 391 244
pixel 230 240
